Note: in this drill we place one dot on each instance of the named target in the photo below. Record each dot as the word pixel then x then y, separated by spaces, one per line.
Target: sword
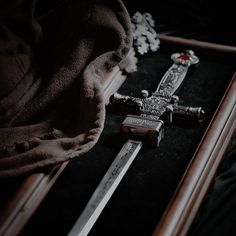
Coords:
pixel 146 125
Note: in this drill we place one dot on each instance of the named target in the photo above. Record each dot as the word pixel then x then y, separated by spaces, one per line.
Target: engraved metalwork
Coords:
pixel 163 100
pixel 189 113
pixel 146 129
pixel 145 123
pixel 106 188
pixel 174 77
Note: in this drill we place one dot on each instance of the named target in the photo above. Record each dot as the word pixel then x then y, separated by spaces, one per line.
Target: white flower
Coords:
pixel 145 37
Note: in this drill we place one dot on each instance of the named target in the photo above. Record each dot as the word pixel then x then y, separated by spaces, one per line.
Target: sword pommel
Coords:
pixel 186 58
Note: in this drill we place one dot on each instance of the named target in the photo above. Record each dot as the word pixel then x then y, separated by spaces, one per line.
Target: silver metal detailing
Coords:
pixel 144 93
pixel 196 114
pixel 188 58
pixel 144 35
pixel 163 100
pixel 150 131
pixel 106 188
pixel 174 77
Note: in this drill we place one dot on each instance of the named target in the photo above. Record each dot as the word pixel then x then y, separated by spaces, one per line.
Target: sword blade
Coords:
pixel 106 188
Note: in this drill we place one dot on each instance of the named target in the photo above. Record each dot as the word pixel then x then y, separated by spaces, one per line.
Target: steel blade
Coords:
pixel 106 188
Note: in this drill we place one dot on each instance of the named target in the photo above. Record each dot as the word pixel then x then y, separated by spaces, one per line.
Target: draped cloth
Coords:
pixel 53 58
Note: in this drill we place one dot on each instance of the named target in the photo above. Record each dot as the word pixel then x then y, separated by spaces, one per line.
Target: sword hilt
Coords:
pixel 132 105
pixel 145 129
pixel 186 58
pixel 174 76
pixel 148 112
pixel 127 104
pixel 187 113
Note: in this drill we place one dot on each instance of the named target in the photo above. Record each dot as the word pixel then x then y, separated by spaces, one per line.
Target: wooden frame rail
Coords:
pixel 187 199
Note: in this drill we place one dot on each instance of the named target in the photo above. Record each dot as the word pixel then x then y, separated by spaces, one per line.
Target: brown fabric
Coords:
pixel 52 61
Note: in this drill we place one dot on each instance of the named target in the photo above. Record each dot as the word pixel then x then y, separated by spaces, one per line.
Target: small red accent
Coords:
pixel 184 57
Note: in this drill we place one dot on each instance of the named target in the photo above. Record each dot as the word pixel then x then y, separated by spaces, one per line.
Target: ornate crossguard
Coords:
pixel 146 125
pixel 149 111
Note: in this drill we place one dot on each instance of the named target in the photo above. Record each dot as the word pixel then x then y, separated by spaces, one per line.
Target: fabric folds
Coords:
pixel 52 62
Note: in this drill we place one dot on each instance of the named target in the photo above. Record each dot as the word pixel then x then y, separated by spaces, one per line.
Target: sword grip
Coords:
pixel 186 113
pixel 125 104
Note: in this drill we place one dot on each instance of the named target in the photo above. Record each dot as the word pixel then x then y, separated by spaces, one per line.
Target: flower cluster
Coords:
pixel 145 37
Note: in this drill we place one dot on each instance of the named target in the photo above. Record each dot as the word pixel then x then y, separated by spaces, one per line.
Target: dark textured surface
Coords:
pixel 140 199
pixel 217 215
pixel 45 86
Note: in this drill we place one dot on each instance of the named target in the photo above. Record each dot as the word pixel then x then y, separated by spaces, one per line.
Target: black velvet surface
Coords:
pixel 142 196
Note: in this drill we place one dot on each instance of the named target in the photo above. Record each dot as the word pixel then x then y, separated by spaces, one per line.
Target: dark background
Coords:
pixel 205 19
